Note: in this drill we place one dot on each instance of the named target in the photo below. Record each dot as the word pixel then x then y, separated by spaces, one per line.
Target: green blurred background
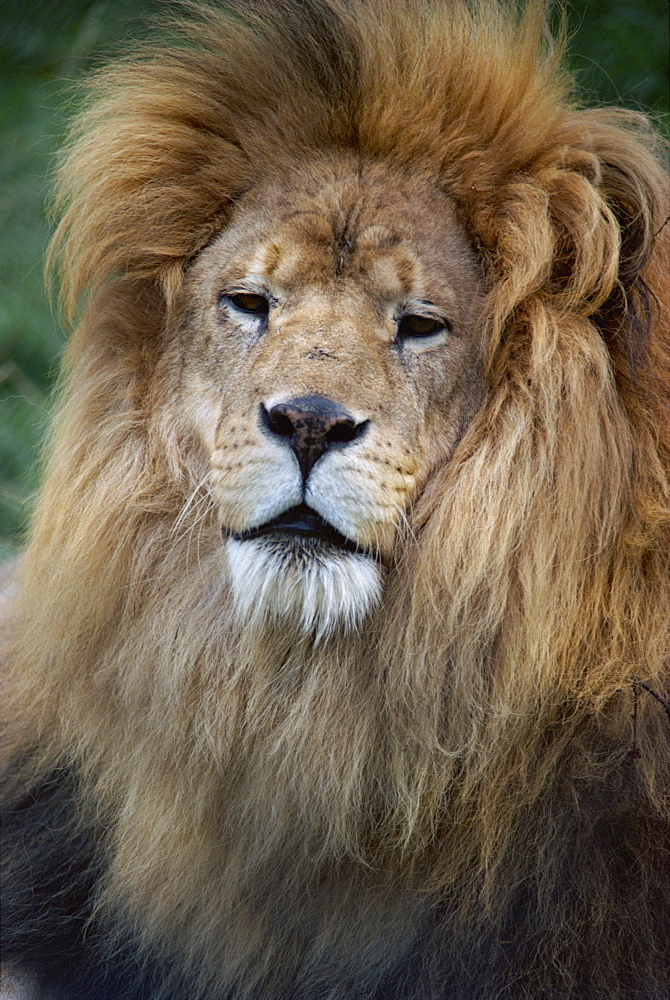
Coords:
pixel 619 52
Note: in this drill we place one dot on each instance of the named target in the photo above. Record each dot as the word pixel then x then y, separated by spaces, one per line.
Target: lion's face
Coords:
pixel 331 360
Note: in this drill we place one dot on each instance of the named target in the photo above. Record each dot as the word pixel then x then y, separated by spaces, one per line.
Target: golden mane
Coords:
pixel 235 775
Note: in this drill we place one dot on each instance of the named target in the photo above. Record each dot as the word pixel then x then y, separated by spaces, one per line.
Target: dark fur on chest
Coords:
pixel 49 876
pixel 51 869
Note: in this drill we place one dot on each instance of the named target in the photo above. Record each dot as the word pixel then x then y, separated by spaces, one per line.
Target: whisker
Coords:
pixel 189 502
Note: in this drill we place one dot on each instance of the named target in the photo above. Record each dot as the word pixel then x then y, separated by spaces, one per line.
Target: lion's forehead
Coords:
pixel 392 235
pixel 299 254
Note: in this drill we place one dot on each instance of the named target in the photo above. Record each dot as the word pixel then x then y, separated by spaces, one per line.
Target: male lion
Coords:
pixel 337 662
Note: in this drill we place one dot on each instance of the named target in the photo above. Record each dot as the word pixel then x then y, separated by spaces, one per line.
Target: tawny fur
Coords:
pixel 275 811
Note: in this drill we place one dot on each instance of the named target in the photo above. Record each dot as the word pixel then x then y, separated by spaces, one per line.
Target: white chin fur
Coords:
pixel 313 585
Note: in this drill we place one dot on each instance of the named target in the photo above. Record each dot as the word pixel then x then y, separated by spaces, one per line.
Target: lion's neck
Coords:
pixel 238 771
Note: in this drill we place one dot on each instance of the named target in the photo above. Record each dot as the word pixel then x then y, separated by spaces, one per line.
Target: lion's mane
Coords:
pixel 468 797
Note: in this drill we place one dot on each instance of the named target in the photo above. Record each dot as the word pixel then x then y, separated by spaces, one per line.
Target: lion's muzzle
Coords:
pixel 311 425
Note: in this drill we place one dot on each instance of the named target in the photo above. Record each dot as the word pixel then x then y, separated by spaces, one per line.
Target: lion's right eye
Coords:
pixel 249 302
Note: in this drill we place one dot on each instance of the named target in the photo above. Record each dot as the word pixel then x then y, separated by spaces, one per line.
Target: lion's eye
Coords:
pixel 249 302
pixel 414 326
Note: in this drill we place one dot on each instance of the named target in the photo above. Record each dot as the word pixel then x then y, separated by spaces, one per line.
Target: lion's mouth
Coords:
pixel 301 522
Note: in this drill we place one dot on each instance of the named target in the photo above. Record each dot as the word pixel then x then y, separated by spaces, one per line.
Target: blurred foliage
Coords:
pixel 619 53
pixel 43 45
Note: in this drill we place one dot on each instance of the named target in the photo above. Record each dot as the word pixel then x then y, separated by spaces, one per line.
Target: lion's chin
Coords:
pixel 319 588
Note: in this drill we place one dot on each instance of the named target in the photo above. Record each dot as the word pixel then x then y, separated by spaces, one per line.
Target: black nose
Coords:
pixel 311 425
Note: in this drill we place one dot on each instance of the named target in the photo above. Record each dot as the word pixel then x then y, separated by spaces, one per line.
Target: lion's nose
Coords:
pixel 311 425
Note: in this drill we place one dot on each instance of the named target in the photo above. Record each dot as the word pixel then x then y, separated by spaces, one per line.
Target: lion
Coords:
pixel 336 664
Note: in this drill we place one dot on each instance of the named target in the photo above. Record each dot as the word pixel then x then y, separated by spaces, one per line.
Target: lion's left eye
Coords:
pixel 418 328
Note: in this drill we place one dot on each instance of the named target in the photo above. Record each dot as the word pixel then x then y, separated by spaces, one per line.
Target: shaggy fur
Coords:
pixel 468 797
